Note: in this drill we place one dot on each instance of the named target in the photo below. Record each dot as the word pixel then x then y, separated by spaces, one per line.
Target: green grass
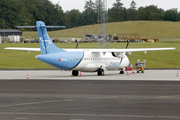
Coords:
pixel 146 29
pixel 12 59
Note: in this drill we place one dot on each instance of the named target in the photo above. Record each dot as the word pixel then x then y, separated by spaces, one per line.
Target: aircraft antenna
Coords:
pixel 102 27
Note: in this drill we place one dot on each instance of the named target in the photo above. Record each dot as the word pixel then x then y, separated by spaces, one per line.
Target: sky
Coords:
pixel 79 4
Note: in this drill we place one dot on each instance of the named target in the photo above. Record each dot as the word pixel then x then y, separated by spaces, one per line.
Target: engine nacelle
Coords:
pixel 119 54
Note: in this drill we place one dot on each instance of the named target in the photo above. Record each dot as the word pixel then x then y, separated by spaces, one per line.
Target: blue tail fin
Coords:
pixel 45 42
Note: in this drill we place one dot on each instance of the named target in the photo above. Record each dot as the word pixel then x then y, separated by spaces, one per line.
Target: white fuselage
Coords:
pixel 91 62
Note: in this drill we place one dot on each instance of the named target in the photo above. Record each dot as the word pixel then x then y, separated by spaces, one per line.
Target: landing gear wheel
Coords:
pixel 75 72
pixel 121 72
pixel 137 71
pixel 100 72
pixel 142 71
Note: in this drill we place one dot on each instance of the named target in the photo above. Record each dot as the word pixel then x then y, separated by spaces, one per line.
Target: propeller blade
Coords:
pixel 127 44
pixel 77 45
pixel 121 61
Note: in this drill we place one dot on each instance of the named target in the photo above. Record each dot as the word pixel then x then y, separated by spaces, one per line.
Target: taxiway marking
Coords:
pixel 33 103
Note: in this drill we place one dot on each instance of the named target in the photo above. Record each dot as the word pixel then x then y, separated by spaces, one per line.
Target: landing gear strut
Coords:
pixel 75 73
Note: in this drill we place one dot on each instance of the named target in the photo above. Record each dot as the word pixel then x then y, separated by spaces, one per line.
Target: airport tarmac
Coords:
pixel 172 75
pixel 56 95
pixel 89 100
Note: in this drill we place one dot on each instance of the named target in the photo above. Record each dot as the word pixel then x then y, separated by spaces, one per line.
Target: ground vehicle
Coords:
pixel 140 66
pixel 92 36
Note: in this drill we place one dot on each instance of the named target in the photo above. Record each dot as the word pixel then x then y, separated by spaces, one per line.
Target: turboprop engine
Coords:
pixel 119 54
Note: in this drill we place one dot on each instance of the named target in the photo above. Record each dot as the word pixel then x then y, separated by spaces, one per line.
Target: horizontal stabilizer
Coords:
pixel 26 49
pixel 41 26
pixel 26 27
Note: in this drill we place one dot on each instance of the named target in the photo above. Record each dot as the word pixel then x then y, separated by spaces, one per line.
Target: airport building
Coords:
pixel 8 32
pixel 13 35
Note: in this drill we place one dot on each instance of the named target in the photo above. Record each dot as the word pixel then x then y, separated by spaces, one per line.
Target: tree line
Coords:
pixel 27 12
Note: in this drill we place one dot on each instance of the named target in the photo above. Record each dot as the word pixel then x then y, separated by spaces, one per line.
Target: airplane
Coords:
pixel 83 60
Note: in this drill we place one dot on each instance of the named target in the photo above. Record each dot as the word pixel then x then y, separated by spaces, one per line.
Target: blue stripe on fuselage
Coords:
pixel 62 60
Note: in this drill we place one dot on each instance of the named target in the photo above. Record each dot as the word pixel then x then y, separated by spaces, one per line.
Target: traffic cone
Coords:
pixel 133 71
pixel 127 72
pixel 27 75
pixel 177 73
pixel 80 74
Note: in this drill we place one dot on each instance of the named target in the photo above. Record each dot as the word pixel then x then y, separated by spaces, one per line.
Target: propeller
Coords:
pixel 77 44
pixel 127 44
pixel 126 48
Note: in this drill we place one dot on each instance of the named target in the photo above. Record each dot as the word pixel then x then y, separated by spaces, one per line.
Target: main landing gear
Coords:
pixel 100 72
pixel 75 73
pixel 121 72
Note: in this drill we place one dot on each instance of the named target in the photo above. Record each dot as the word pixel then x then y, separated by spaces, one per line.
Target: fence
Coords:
pixel 170 40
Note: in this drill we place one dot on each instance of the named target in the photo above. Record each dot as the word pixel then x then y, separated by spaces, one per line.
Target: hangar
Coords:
pixel 11 35
pixel 10 32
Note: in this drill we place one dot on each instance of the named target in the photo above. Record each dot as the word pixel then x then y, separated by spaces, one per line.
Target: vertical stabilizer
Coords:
pixel 45 42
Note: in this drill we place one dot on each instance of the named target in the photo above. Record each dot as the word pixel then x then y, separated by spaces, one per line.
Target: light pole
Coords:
pixel 4 28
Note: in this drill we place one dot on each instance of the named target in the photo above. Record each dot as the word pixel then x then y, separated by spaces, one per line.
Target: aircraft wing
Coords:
pixel 130 50
pixel 119 51
pixel 99 50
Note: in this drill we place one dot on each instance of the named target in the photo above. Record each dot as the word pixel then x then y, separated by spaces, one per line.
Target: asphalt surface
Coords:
pixel 89 100
pixel 168 75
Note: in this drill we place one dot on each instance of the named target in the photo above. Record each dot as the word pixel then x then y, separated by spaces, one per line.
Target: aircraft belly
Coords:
pixel 87 66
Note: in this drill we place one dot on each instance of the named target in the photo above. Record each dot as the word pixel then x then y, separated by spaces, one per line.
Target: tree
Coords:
pixel 171 15
pixel 74 17
pixel 132 12
pixel 117 12
pixel 89 13
pixel 150 13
